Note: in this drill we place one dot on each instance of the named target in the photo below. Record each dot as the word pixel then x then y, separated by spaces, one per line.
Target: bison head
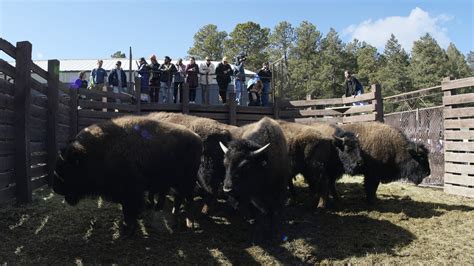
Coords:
pixel 417 166
pixel 245 163
pixel 69 173
pixel 349 152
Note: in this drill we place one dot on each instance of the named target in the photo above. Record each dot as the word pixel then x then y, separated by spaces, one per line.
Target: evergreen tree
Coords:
pixel 118 54
pixel 367 62
pixel 250 39
pixel 208 41
pixel 429 63
pixel 470 61
pixel 350 54
pixel 281 40
pixel 393 74
pixel 458 67
pixel 305 61
pixel 333 63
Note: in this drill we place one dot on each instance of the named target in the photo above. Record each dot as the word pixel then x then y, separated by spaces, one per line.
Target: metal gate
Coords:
pixel 426 126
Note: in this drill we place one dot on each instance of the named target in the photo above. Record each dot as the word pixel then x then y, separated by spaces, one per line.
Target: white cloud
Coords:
pixel 406 29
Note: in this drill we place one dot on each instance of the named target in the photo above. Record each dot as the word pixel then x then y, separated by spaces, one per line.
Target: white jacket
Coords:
pixel 209 70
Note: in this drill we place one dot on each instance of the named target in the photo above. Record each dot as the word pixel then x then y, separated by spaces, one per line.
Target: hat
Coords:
pixel 153 57
pixel 118 63
pixel 208 58
pixel 100 61
pixel 224 58
pixel 167 58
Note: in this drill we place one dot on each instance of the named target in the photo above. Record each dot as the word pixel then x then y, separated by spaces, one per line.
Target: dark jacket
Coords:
pixel 353 86
pixel 192 79
pixel 223 73
pixel 265 75
pixel 113 78
pixel 144 71
pixel 167 72
pixel 155 71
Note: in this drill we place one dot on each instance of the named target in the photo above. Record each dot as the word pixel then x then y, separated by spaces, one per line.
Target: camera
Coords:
pixel 242 57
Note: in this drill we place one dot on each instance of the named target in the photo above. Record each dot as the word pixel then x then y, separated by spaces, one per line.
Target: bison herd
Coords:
pixel 250 167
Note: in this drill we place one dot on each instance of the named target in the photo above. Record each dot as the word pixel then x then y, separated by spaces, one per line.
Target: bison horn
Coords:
pixel 61 156
pixel 223 147
pixel 260 150
pixel 338 138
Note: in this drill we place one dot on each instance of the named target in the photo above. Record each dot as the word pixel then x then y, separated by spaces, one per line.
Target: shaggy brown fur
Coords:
pixel 121 158
pixel 311 154
pixel 388 156
pixel 211 170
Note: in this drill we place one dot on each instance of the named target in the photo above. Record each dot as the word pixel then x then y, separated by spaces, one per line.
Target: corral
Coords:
pixel 409 224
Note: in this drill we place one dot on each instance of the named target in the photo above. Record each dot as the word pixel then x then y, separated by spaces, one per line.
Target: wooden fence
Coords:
pixel 459 136
pixel 363 108
pixel 30 116
pixel 37 118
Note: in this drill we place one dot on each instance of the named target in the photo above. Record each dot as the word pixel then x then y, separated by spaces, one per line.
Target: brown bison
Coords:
pixel 388 156
pixel 257 173
pixel 320 153
pixel 211 170
pixel 122 158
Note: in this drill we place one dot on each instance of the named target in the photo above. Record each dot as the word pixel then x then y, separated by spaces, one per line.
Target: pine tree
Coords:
pixel 367 62
pixel 118 54
pixel 251 39
pixel 393 74
pixel 208 41
pixel 305 61
pixel 333 63
pixel 429 63
pixel 458 67
pixel 470 61
pixel 281 40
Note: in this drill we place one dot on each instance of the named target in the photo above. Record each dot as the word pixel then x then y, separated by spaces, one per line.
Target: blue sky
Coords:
pixel 67 29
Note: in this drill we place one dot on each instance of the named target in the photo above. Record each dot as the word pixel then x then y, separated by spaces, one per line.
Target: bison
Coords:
pixel 348 160
pixel 388 156
pixel 257 172
pixel 122 158
pixel 211 170
pixel 320 152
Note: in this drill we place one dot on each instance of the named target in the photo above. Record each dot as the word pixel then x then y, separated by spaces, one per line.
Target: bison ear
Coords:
pixel 260 150
pixel 223 147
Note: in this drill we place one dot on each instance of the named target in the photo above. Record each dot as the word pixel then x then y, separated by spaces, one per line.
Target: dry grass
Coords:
pixel 408 225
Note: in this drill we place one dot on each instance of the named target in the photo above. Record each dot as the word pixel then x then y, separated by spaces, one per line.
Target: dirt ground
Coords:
pixel 408 224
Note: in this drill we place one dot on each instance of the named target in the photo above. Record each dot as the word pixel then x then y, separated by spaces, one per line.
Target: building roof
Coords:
pixel 76 65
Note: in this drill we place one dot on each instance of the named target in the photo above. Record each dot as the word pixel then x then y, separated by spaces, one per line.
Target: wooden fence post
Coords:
pixel 137 95
pixel 185 99
pixel 22 122
pixel 378 102
pixel 73 113
pixel 276 108
pixel 232 109
pixel 52 117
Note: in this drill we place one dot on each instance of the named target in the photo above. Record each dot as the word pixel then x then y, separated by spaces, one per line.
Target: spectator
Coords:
pixel 223 77
pixel 265 75
pixel 155 80
pixel 118 79
pixel 254 89
pixel 353 86
pixel 81 82
pixel 239 80
pixel 207 70
pixel 144 74
pixel 167 71
pixel 98 75
pixel 179 77
pixel 192 70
